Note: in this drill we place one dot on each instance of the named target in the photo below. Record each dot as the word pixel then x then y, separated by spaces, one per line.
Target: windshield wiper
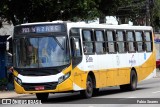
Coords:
pixel 59 43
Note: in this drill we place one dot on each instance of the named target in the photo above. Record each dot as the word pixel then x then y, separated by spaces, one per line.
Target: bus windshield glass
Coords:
pixel 50 51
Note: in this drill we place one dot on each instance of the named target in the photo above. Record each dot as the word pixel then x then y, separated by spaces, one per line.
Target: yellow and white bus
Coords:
pixel 51 57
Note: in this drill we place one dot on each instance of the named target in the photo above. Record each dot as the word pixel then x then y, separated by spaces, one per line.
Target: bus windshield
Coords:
pixel 39 52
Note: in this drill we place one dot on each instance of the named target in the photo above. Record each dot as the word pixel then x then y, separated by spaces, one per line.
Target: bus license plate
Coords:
pixel 39 88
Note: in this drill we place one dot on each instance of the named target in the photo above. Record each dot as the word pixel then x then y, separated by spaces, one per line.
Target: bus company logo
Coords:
pixel 89 59
pixel 132 61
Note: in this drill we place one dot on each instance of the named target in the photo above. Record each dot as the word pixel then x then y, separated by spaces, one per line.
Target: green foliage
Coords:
pixel 21 11
pixel 157 8
pixel 156 14
pixel 111 7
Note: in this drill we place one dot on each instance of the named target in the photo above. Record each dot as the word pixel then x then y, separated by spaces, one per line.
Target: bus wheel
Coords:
pixel 133 83
pixel 89 88
pixel 42 96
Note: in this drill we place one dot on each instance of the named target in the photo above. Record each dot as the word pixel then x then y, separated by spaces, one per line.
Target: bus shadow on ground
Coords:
pixel 76 98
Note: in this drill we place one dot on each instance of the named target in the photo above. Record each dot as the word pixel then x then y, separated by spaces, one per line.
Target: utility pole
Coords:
pixel 147 13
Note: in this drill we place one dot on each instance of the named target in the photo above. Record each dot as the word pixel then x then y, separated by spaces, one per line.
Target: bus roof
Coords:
pixel 91 25
pixel 39 23
pixel 105 26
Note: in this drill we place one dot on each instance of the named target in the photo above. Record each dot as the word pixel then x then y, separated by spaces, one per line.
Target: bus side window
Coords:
pixel 121 42
pixel 148 41
pixel 131 41
pixel 100 43
pixel 139 41
pixel 111 41
pixel 88 42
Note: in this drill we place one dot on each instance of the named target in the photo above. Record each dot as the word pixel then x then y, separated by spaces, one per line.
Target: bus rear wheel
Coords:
pixel 133 83
pixel 87 93
pixel 42 96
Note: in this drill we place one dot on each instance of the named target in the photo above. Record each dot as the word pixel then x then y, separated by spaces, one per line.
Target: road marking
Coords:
pixel 131 97
pixel 90 106
pixel 156 92
pixel 127 98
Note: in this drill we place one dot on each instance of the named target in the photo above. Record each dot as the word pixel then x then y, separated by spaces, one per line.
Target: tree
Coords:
pixel 112 7
pixel 21 11
pixel 155 14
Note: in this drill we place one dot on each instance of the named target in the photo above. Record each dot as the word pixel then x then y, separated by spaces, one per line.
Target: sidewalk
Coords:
pixel 12 94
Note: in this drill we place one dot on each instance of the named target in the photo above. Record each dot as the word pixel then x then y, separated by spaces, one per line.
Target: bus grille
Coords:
pixel 32 86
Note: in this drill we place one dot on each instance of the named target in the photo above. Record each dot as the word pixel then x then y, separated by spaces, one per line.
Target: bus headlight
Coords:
pixel 19 81
pixel 64 77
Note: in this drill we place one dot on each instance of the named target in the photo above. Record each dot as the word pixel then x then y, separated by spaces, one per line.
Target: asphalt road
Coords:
pixel 147 93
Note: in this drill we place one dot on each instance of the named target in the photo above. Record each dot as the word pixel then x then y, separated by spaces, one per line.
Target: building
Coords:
pixel 5 59
pixel 157 44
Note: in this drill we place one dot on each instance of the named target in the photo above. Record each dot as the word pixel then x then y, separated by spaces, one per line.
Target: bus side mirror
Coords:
pixel 7 46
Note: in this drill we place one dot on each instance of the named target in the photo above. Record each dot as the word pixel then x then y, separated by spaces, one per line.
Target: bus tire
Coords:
pixel 88 92
pixel 133 83
pixel 42 96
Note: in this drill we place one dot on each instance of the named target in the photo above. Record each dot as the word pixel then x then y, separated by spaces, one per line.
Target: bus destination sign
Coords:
pixel 40 29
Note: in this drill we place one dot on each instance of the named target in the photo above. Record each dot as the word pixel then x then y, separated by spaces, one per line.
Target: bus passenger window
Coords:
pixel 148 42
pixel 139 41
pixel 100 47
pixel 131 42
pixel 88 43
pixel 110 42
pixel 120 41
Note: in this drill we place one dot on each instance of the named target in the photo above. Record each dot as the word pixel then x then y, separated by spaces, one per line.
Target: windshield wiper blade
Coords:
pixel 59 43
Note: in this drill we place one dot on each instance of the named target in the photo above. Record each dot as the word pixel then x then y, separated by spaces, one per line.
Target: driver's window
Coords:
pixel 76 47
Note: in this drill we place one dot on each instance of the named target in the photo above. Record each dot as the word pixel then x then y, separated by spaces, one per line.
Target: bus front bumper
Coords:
pixel 66 85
